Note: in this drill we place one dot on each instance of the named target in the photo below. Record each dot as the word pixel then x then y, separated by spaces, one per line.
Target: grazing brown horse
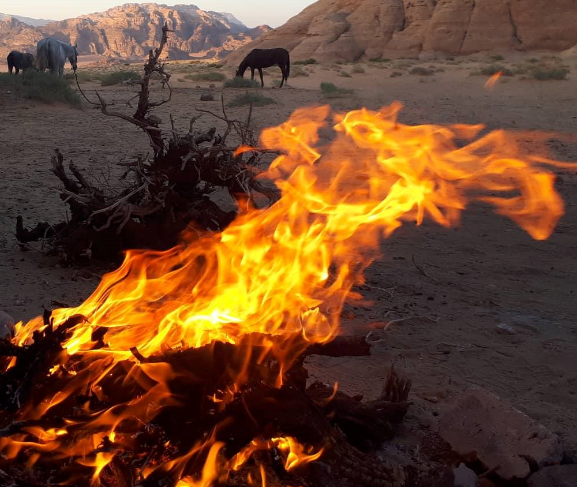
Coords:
pixel 19 61
pixel 265 58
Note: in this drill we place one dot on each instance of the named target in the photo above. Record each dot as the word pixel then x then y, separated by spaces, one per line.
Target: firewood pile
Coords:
pixel 161 420
pixel 165 195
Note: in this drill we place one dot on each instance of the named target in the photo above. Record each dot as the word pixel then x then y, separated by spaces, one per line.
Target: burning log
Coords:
pixel 228 393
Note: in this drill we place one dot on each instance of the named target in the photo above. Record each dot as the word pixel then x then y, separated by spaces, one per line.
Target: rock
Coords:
pixel 206 97
pixel 499 434
pixel 464 476
pixel 348 30
pixel 505 329
pixel 7 329
pixel 556 476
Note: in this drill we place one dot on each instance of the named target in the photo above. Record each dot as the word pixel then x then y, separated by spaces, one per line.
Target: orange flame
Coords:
pixel 492 81
pixel 286 270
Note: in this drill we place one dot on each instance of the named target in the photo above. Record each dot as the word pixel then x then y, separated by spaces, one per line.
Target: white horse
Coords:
pixel 52 54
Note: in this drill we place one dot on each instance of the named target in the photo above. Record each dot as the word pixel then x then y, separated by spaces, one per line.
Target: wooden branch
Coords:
pixel 40 231
pixel 58 169
pixel 120 201
pixel 149 68
pixel 341 346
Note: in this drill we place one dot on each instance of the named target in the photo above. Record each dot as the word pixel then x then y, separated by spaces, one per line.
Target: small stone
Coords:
pixel 500 434
pixel 464 476
pixel 555 476
pixel 506 329
pixel 7 329
pixel 212 86
pixel 206 97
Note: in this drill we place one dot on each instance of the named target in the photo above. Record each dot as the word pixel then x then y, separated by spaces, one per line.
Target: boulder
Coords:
pixel 501 435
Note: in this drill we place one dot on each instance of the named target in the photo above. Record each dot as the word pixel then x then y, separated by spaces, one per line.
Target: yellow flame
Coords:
pixel 287 270
pixel 492 81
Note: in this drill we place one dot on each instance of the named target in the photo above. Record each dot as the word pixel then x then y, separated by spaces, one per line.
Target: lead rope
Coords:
pixel 82 92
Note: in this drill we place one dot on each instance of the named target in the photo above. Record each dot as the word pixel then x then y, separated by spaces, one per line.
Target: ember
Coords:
pixel 185 367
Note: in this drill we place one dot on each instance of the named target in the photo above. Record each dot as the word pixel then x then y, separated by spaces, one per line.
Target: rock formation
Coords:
pixel 348 30
pixel 131 30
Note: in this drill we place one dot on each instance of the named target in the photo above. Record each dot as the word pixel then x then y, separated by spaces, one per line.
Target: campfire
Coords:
pixel 186 367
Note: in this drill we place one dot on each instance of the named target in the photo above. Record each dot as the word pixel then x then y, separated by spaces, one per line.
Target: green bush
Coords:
pixel 545 73
pixel 257 99
pixel 420 71
pixel 345 74
pixel 358 70
pixel 118 77
pixel 494 69
pixel 207 76
pixel 330 90
pixel 498 57
pixel 238 82
pixel 379 60
pixel 41 86
pixel 305 62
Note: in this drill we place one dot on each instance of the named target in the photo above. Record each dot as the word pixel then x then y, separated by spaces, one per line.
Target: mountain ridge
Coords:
pixel 129 31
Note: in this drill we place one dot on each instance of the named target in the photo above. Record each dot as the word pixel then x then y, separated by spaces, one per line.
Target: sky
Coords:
pixel 250 12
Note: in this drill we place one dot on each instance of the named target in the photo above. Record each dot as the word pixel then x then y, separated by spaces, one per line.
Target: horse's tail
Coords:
pixel 49 56
pixel 288 65
pixel 41 61
pixel 10 61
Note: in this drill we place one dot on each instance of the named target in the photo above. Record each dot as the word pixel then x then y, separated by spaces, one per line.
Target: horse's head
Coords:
pixel 73 58
pixel 238 73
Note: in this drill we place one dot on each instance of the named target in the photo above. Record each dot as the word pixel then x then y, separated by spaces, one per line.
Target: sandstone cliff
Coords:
pixel 348 30
pixel 131 30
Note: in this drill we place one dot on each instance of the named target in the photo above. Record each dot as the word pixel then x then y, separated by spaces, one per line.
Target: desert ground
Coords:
pixel 493 308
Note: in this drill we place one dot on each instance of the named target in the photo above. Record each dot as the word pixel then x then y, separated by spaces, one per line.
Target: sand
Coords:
pixel 496 308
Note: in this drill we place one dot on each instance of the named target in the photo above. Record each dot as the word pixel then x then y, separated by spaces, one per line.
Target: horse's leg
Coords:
pixel 261 79
pixel 17 69
pixel 283 75
pixel 252 74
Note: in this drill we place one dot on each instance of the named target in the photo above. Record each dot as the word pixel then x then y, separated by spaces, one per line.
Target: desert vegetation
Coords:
pixel 254 98
pixel 305 62
pixel 40 86
pixel 118 77
pixel 330 90
pixel 238 82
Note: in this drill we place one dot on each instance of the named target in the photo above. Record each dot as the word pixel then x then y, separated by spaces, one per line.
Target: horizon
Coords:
pixel 252 13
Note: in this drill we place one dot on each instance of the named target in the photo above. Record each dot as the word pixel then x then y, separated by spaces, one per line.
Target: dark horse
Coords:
pixel 19 61
pixel 265 58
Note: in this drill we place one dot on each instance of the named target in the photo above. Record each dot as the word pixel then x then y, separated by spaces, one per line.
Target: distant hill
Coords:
pixel 349 30
pixel 131 30
pixel 26 20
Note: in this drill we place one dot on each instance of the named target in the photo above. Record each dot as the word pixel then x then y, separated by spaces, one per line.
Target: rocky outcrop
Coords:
pixel 131 30
pixel 348 30
pixel 17 36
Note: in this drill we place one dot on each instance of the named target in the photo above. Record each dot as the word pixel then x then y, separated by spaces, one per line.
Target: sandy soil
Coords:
pixel 483 274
